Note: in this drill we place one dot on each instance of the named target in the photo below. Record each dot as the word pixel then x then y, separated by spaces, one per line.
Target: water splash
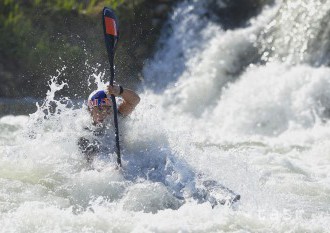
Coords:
pixel 260 129
pixel 298 34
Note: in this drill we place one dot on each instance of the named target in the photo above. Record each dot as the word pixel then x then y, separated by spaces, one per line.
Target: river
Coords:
pixel 247 107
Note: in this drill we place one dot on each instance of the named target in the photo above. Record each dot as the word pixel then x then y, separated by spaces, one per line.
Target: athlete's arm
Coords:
pixel 131 99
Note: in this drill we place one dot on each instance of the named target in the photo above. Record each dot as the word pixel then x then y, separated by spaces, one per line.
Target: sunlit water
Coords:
pixel 258 126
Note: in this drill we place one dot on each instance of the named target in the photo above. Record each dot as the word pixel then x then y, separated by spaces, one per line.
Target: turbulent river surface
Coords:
pixel 245 106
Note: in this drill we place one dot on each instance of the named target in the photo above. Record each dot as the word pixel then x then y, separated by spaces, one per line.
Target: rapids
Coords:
pixel 248 107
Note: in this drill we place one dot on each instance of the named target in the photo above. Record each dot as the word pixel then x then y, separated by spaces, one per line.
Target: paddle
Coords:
pixel 110 30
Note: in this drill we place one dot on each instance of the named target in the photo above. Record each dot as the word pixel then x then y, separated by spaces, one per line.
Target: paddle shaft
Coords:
pixel 115 112
pixel 110 29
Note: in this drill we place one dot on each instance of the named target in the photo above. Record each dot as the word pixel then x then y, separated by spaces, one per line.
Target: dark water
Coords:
pixel 22 106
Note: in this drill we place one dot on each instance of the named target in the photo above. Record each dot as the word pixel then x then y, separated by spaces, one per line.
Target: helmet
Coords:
pixel 98 98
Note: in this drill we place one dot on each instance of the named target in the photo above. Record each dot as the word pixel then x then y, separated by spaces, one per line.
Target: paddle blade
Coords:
pixel 110 30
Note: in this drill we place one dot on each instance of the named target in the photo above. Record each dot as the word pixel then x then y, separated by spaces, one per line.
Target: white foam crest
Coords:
pixel 149 197
pixel 169 63
pixel 298 33
pixel 209 66
pixel 259 134
pixel 38 217
pixel 10 129
pixel 273 99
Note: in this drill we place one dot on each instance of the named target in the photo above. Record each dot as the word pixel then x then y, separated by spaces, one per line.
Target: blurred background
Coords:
pixel 40 38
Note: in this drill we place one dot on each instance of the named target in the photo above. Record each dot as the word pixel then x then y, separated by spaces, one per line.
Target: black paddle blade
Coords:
pixel 111 31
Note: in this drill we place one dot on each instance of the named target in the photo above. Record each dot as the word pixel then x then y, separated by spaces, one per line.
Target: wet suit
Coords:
pixel 99 141
pixel 90 147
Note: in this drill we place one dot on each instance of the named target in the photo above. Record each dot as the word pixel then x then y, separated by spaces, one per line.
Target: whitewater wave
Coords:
pixel 240 106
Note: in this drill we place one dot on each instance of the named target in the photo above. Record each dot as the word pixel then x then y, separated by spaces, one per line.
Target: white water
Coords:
pixel 260 129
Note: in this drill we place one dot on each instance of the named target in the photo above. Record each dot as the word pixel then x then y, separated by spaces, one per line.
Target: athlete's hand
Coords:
pixel 113 90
